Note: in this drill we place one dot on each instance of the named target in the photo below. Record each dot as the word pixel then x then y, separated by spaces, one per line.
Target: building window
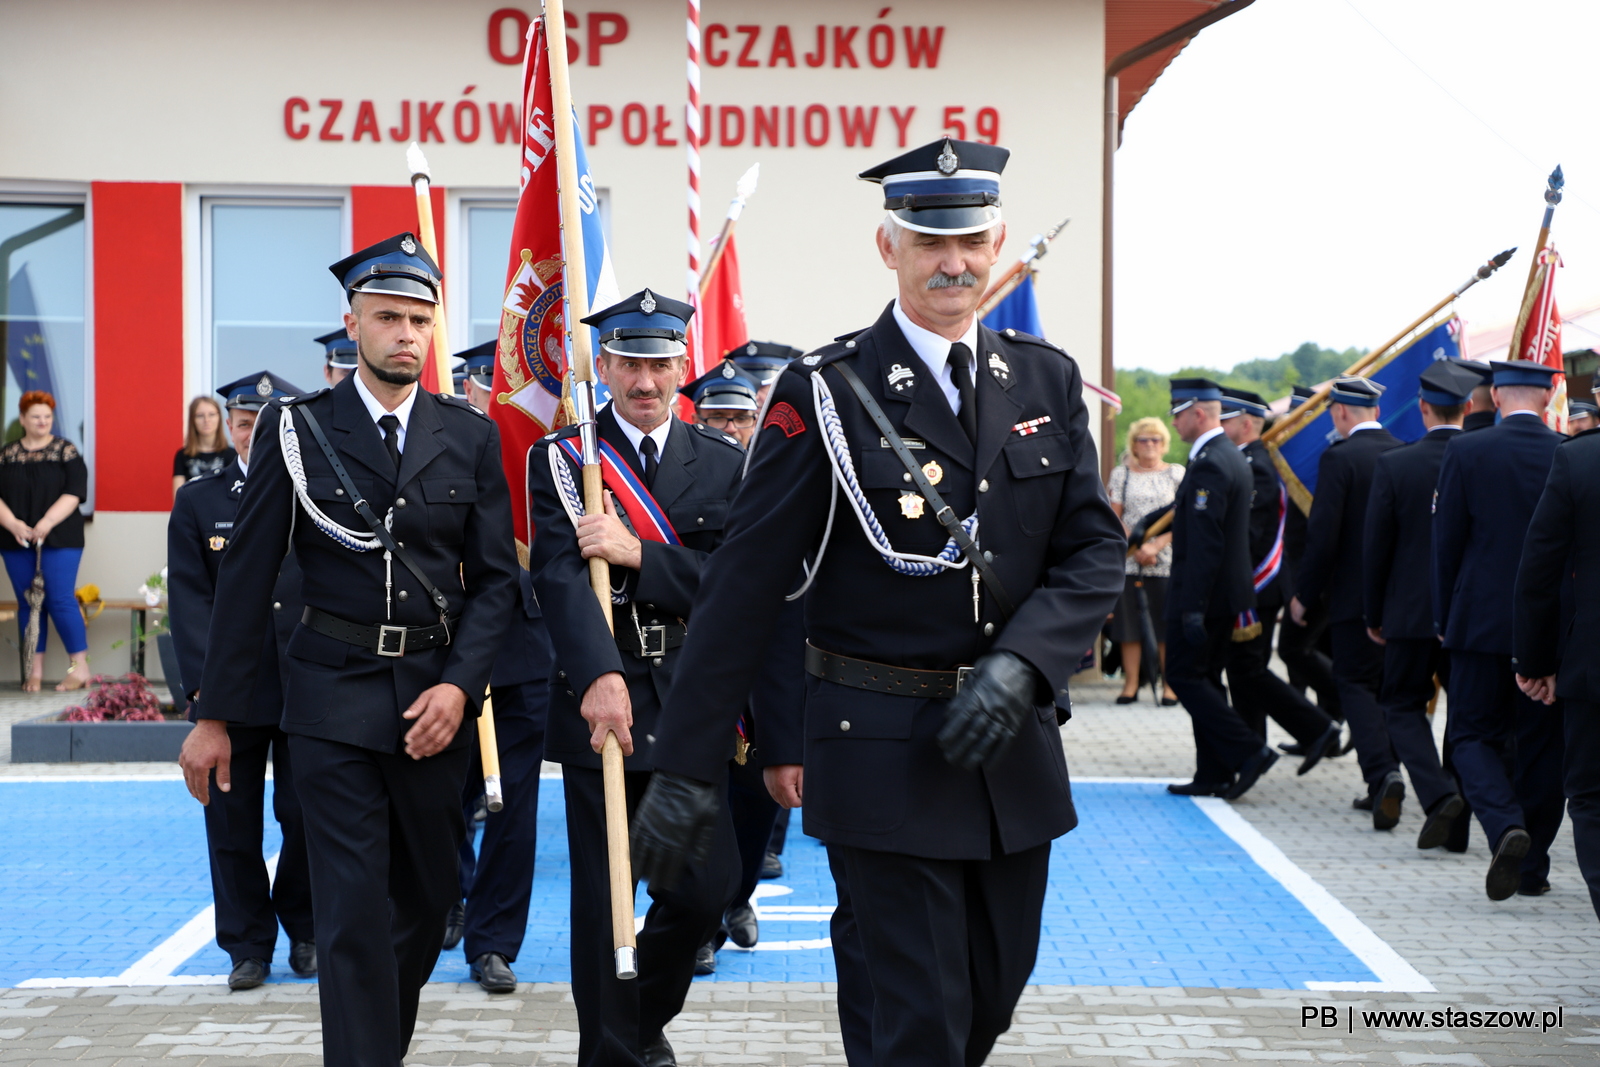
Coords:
pixel 42 283
pixel 267 290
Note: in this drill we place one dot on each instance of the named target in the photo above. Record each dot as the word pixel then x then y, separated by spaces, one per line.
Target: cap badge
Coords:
pixel 911 505
pixel 751 349
pixel 900 377
pixel 264 386
pixel 948 161
pixel 728 371
pixel 933 472
pixel 408 246
pixel 647 303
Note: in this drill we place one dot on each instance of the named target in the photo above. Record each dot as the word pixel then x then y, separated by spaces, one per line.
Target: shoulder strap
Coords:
pixel 941 511
pixel 364 509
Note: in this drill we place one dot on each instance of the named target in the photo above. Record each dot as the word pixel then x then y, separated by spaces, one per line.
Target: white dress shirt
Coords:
pixel 1370 424
pixel 376 409
pixel 636 436
pixel 1523 411
pixel 935 352
pixel 1200 442
pixel 1445 426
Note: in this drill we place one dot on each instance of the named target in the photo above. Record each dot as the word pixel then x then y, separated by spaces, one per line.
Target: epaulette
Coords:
pixel 717 435
pixel 556 435
pixel 301 398
pixel 844 345
pixel 462 402
pixel 1029 339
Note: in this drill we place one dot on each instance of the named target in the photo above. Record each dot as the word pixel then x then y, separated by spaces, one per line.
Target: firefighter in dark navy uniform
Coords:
pixel 940 804
pixel 663 519
pixel 249 906
pixel 396 505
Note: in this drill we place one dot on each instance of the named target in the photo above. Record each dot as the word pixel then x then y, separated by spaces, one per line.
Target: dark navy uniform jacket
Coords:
pixel 1211 567
pixel 696 477
pixel 1398 559
pixel 1489 484
pixel 1266 502
pixel 452 512
pixel 199 533
pixel 525 654
pixel 1337 525
pixel 1561 546
pixel 875 777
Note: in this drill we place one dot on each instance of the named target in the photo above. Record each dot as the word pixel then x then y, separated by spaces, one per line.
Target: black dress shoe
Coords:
pixel 1292 748
pixel 1505 870
pixel 491 971
pixel 455 926
pixel 1326 745
pixel 1121 699
pixel 1362 803
pixel 1535 889
pixel 705 960
pixel 1198 789
pixel 658 1053
pixel 1169 702
pixel 1436 827
pixel 303 958
pixel 1251 772
pixel 247 974
pixel 771 866
pixel 740 923
pixel 1386 801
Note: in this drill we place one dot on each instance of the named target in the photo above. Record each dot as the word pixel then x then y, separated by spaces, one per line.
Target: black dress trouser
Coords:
pixel 1259 694
pixel 1582 777
pixel 616 1017
pixel 850 967
pixel 754 815
pixel 382 830
pixel 1409 665
pixel 1358 674
pixel 1309 667
pixel 1222 740
pixel 948 945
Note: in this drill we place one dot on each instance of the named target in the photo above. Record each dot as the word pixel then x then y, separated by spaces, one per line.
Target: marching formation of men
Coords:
pixel 345 598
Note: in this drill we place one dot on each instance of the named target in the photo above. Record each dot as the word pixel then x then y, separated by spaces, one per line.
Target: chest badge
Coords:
pixel 911 505
pixel 933 472
pixel 217 542
pixel 1031 426
pixel 1202 499
pixel 901 378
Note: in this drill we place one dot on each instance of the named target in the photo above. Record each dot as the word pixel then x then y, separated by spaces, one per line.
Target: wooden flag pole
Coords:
pixel 583 396
pixel 1001 287
pixel 742 192
pixel 489 747
pixel 1552 197
pixel 421 183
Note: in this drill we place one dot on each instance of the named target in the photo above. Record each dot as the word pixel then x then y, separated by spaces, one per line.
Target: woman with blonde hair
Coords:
pixel 205 443
pixel 1141 483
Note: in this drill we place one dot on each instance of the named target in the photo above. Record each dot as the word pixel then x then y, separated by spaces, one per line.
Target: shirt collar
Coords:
pixel 1447 426
pixel 1201 441
pixel 930 347
pixel 1370 424
pixel 376 409
pixel 244 468
pixel 1523 411
pixel 636 436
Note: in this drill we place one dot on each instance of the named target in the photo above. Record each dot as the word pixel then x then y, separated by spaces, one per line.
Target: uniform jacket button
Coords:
pixel 656 662
pixel 338 492
pixel 399 501
pixel 988 557
pixel 844 724
pixel 1044 461
pixel 452 492
pixel 277 605
pixel 983 486
pixel 701 521
pixel 561 674
pixel 906 476
pixel 404 595
pixel 988 629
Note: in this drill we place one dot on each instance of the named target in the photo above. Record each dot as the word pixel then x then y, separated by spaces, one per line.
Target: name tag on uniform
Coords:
pixel 222 525
pixel 910 442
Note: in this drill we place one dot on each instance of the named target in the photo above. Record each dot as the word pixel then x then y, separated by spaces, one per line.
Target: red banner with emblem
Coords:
pixel 1538 334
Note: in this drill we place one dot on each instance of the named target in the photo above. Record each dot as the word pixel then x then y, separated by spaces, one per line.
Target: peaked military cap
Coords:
pixel 762 361
pixel 1357 392
pixel 1522 372
pixel 399 266
pixel 341 351
pixel 1185 391
pixel 253 391
pixel 478 364
pixel 1242 402
pixel 1446 384
pixel 1482 370
pixel 644 324
pixel 946 186
pixel 723 386
pixel 1577 409
pixel 1299 394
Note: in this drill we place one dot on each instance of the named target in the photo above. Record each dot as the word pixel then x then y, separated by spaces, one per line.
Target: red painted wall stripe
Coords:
pixel 138 342
pixel 378 212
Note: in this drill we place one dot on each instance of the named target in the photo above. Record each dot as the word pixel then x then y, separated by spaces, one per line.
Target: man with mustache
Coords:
pixel 668 484
pixel 971 560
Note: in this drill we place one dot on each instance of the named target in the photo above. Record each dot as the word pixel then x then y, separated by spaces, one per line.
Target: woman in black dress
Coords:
pixel 43 479
pixel 205 444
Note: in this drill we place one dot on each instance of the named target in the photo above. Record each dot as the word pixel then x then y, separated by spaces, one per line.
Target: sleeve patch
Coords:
pixel 786 418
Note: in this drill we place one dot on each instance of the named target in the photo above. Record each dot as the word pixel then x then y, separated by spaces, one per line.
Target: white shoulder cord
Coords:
pixel 571 499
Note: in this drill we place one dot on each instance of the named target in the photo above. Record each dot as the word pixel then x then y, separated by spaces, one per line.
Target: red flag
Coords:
pixel 1538 338
pixel 721 316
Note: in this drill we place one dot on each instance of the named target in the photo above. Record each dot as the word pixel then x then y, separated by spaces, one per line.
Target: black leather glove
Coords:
pixel 1194 629
pixel 984 717
pixel 672 826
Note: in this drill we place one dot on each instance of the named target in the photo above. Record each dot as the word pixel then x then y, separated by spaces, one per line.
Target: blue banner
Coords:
pixel 1398 406
pixel 1018 311
pixel 26 354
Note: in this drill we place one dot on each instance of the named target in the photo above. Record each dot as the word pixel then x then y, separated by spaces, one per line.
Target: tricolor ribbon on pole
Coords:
pixel 1537 334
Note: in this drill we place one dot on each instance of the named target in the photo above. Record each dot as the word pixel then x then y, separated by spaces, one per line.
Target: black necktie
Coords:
pixel 391 437
pixel 647 455
pixel 961 374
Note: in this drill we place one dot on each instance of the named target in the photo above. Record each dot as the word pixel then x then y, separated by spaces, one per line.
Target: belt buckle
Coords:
pixel 385 633
pixel 961 676
pixel 652 641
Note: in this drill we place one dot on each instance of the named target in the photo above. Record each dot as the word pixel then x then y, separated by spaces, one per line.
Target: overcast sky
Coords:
pixel 1294 177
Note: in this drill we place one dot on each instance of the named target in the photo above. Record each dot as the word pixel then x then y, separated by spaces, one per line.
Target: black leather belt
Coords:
pixel 649 641
pixel 883 678
pixel 383 639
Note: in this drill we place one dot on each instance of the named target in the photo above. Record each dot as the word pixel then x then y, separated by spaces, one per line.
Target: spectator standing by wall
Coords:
pixel 205 445
pixel 43 479
pixel 1142 483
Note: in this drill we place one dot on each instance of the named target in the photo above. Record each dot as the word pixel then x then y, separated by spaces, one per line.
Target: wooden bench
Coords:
pixel 138 622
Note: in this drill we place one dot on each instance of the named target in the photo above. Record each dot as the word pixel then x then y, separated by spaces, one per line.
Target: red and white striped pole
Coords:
pixel 691 141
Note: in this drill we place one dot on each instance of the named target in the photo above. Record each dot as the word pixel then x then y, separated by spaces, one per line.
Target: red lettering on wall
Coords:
pixel 843 50
pixel 820 56
pixel 880 45
pixel 788 124
pixel 402 132
pixel 505 126
pixel 858 123
pixel 326 133
pixel 750 35
pixel 599 36
pixel 662 125
pixel 464 110
pixel 497 35
pixel 782 47
pixel 428 121
pixel 953 121
pixel 635 124
pixel 367 123
pixel 714 56
pixel 600 118
pixel 290 106
pixel 919 48
pixel 705 125
pixel 816 132
pixel 573 51
pixel 988 125
pixel 766 126
pixel 724 138
pixel 901 122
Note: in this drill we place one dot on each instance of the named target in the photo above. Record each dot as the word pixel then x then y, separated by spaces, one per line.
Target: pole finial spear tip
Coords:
pixel 417 162
pixel 1552 190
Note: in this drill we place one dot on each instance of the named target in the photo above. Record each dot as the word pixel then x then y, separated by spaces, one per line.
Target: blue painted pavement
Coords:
pixel 1147 891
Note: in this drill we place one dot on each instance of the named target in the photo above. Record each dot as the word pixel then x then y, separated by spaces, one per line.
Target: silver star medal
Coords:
pixel 648 303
